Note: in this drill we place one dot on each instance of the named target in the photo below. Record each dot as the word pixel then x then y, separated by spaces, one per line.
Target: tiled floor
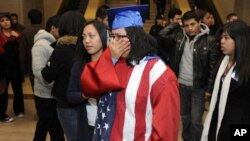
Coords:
pixel 27 90
pixel 22 129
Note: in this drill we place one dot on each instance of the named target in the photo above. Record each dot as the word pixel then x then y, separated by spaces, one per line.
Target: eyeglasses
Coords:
pixel 116 36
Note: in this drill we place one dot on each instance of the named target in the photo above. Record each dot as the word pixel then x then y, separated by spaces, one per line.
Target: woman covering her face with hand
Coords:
pixel 142 91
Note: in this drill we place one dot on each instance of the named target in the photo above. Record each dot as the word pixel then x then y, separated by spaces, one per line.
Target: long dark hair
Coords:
pixel 142 44
pixel 239 32
pixel 81 52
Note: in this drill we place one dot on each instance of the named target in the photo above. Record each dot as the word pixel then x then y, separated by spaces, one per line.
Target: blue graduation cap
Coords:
pixel 127 16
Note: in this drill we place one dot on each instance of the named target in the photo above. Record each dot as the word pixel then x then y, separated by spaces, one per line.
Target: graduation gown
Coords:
pixel 147 102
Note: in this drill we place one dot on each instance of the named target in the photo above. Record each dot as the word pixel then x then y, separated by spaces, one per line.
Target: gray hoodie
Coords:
pixel 41 52
pixel 186 65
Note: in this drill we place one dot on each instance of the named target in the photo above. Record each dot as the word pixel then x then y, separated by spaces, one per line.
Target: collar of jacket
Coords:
pixel 67 40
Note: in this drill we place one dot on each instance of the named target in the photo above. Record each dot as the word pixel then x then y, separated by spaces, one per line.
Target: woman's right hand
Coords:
pixel 15 34
pixel 118 47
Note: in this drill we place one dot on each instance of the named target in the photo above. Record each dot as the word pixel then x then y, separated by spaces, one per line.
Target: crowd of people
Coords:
pixel 108 80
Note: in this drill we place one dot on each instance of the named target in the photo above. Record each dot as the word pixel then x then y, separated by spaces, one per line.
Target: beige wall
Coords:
pixel 242 8
pixel 224 7
pixel 21 7
pixel 50 8
pixel 182 4
pixel 27 6
pixel 14 6
pixel 92 8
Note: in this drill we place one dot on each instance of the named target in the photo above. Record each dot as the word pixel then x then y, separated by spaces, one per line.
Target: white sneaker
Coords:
pixel 7 120
pixel 20 115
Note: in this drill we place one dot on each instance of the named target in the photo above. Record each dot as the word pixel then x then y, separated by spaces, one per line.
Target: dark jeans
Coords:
pixel 69 118
pixel 47 120
pixel 32 79
pixel 192 108
pixel 18 102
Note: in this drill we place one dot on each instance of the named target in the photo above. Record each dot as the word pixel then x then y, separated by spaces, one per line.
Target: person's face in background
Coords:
pixel 191 27
pixel 121 34
pixel 176 19
pixel 164 23
pixel 233 18
pixel 159 22
pixel 14 20
pixel 206 19
pixel 227 44
pixel 92 42
pixel 212 20
pixel 5 23
pixel 54 31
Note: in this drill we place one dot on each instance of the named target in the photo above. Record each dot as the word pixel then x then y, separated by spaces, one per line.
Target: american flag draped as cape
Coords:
pixel 105 117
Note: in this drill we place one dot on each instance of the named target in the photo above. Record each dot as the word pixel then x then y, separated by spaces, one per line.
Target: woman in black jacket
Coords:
pixel 58 70
pixel 230 104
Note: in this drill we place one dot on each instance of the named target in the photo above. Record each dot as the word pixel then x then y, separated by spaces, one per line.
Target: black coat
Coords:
pixel 205 55
pixel 154 30
pixel 10 61
pixel 58 69
pixel 237 109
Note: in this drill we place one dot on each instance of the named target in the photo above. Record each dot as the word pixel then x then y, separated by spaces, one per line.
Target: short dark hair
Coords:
pixel 230 15
pixel 142 44
pixel 201 12
pixel 70 23
pixel 102 12
pixel 172 12
pixel 190 15
pixel 35 16
pixel 14 15
pixel 52 21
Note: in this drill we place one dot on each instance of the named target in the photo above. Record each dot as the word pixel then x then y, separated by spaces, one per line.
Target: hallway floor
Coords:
pixel 22 129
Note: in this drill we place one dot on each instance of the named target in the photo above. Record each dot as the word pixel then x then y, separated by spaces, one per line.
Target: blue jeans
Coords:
pixel 68 118
pixel 192 108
